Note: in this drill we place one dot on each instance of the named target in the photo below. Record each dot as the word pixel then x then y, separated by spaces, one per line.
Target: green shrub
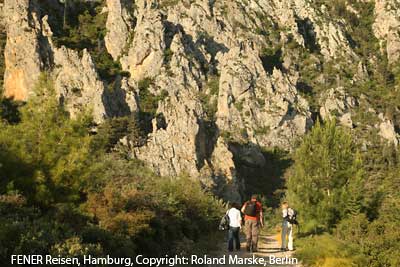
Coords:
pixel 271 58
pixel 9 112
pixel 168 56
pixel 153 211
pixel 149 101
pixel 112 130
pixel 239 105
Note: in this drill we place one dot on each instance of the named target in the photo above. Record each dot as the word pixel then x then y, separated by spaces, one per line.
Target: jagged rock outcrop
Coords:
pixel 311 27
pixel 23 52
pixel 265 110
pixel 387 23
pixel 119 26
pixel 75 79
pixel 181 143
pixel 77 83
pixel 177 144
pixel 337 103
pixel 226 74
pixel 146 52
pixel 180 147
pixel 30 50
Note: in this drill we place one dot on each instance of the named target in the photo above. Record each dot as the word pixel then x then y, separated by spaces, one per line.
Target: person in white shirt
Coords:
pixel 235 223
pixel 287 227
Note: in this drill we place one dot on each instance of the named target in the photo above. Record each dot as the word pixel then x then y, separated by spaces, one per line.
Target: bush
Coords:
pixel 326 251
pixel 271 59
pixel 209 98
pixel 152 211
pixel 148 103
pixel 110 132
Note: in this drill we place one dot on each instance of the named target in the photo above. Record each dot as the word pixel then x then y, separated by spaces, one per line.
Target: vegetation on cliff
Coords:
pixel 81 25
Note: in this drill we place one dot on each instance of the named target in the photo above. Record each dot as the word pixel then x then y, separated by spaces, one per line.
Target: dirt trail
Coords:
pixel 268 247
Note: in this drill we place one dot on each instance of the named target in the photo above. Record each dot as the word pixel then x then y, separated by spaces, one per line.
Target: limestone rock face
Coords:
pixel 77 83
pixel 146 52
pixel 181 143
pixel 311 27
pixel 227 181
pixel 23 58
pixel 387 23
pixel 180 146
pixel 260 108
pixel 224 73
pixel 337 103
pixel 30 50
pixel 177 144
pixel 119 26
pixel 76 80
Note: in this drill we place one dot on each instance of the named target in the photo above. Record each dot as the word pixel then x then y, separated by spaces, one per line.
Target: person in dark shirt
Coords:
pixel 252 210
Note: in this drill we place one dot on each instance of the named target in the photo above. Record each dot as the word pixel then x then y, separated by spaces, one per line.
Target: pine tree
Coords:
pixel 46 154
pixel 325 177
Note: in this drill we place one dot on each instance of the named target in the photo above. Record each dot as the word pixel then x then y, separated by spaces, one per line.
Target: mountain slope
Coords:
pixel 203 77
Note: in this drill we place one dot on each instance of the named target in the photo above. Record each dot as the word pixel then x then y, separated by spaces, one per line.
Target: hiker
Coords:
pixel 253 218
pixel 235 223
pixel 289 219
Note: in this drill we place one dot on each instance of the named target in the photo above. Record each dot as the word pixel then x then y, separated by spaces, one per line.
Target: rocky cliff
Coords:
pixel 219 74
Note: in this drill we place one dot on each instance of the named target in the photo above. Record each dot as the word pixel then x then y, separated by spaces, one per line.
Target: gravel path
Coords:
pixel 268 249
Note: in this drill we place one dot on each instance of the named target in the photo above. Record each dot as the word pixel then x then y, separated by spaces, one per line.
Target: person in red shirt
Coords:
pixel 252 210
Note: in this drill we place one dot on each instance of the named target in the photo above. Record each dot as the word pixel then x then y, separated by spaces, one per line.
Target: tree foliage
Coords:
pixel 44 154
pixel 350 196
pixel 326 169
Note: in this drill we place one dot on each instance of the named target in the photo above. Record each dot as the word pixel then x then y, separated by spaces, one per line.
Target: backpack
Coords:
pixel 292 219
pixel 224 223
pixel 251 208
